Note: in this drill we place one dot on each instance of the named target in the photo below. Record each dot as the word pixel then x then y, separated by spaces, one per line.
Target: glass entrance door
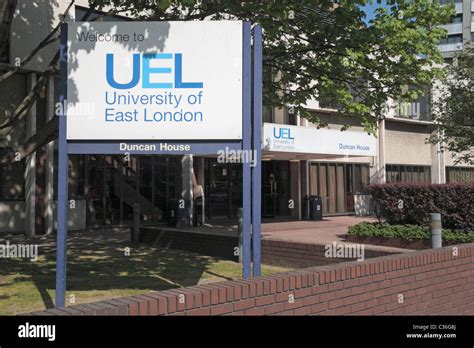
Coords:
pixel 218 190
pixel 235 189
pixel 275 189
pixel 269 191
pixel 167 186
pixel 103 197
pixel 223 189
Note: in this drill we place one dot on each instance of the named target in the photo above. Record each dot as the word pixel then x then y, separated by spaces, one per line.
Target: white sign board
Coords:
pixel 285 138
pixel 154 80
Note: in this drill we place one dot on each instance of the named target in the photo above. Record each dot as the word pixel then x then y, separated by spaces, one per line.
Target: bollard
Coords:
pixel 136 223
pixel 240 217
pixel 435 231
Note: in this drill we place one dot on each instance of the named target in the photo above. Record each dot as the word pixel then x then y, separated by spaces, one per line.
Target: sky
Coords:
pixel 370 8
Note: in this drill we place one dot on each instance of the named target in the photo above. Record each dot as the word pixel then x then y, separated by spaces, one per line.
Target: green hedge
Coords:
pixel 407 232
pixel 401 204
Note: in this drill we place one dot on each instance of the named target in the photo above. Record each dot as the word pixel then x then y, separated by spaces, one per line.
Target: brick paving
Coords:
pixel 327 231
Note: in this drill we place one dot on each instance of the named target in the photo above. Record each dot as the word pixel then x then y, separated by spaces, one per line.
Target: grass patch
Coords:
pixel 98 269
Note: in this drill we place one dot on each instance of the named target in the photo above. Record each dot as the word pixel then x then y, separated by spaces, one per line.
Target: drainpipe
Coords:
pixel 381 153
pixel 440 180
pixel 308 163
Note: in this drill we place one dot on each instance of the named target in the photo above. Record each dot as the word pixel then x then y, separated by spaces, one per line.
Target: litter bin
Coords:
pixel 315 207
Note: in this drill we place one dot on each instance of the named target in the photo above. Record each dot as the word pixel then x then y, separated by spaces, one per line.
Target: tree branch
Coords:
pixel 46 41
pixel 46 134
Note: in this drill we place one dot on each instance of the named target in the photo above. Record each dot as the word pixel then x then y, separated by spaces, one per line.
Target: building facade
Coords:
pixel 298 158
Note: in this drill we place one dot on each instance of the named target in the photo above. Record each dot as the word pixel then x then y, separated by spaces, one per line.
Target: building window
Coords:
pixel 76 173
pixel 6 14
pixel 361 177
pixel 396 173
pixel 457 19
pixel 338 183
pixel 459 174
pixel 291 117
pixel 415 110
pixel 268 114
pixel 451 39
pixel 329 102
pixel 12 181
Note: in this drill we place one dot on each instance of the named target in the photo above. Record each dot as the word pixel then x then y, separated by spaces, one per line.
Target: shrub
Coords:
pixel 412 203
pixel 407 232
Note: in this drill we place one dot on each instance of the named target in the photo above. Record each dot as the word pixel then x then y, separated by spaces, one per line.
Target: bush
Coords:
pixel 412 203
pixel 407 232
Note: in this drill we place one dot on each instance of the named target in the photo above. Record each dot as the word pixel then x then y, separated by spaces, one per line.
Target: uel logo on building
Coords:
pixel 142 62
pixel 283 133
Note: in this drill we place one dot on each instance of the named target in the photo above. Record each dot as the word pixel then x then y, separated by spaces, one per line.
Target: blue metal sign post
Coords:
pixel 251 141
pixel 257 146
pixel 246 146
pixel 63 168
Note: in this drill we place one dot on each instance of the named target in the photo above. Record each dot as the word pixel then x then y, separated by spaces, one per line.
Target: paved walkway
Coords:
pixel 327 231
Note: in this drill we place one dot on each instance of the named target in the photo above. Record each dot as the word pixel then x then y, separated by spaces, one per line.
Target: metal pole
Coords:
pixel 136 223
pixel 240 220
pixel 257 148
pixel 246 146
pixel 63 166
pixel 203 222
pixel 435 231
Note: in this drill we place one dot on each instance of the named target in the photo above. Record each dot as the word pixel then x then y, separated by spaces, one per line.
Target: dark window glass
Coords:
pixel 7 9
pixel 460 174
pixel 457 19
pixel 76 175
pixel 292 119
pixel 410 174
pixel 12 181
pixel 268 110
pixel 454 39
pixel 268 114
pixel 416 110
pixel 338 183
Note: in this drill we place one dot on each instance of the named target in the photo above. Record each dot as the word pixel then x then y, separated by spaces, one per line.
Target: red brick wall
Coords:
pixel 430 282
pixel 301 255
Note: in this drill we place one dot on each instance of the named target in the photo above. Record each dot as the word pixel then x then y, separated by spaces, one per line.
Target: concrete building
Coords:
pixel 461 28
pixel 298 159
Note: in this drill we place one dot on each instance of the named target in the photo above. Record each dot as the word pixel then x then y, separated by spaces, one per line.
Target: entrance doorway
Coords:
pixel 223 189
pixel 103 196
pixel 337 183
pixel 275 189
